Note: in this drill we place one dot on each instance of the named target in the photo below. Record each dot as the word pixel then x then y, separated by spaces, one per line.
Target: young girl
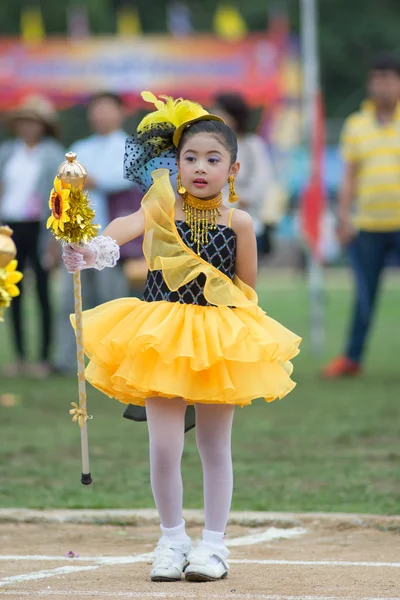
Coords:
pixel 198 336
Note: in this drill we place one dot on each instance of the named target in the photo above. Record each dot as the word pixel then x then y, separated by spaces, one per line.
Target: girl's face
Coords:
pixel 205 165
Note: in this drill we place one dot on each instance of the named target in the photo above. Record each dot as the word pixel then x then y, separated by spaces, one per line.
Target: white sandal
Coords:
pixel 166 565
pixel 202 568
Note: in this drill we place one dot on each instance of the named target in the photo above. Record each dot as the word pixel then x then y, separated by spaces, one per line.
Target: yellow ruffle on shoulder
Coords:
pixel 229 353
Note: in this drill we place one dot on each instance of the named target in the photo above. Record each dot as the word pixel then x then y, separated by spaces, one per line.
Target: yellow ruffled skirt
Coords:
pixel 206 354
pixel 228 353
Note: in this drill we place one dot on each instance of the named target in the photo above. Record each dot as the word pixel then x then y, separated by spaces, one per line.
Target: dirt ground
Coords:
pixel 321 561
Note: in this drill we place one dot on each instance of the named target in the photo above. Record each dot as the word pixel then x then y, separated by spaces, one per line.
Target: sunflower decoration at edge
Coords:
pixel 9 277
pixel 59 206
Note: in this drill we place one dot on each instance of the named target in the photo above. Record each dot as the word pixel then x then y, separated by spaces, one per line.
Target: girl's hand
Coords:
pixel 77 258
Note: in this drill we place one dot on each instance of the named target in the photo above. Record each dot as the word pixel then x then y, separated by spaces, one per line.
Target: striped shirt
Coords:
pixel 375 148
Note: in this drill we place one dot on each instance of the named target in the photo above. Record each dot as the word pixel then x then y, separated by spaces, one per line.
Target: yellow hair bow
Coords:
pixel 179 113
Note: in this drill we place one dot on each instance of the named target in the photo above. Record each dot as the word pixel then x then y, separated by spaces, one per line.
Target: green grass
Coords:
pixel 326 447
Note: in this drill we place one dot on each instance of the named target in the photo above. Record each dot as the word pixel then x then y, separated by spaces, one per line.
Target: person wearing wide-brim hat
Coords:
pixel 36 109
pixel 28 163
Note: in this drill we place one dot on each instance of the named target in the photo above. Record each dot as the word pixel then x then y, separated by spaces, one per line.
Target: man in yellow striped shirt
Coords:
pixel 369 201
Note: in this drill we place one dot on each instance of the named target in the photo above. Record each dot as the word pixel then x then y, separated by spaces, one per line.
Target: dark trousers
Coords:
pixel 368 254
pixel 26 237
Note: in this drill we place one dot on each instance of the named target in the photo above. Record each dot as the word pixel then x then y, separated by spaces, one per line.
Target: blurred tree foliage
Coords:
pixel 350 32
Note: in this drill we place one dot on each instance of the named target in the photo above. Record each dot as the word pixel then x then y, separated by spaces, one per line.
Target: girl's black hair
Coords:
pixel 220 131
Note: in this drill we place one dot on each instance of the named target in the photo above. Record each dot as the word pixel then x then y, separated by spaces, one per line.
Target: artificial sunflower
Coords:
pixel 12 277
pixel 59 206
pixel 9 277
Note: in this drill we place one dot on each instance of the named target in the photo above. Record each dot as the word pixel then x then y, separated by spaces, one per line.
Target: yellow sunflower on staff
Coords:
pixel 9 277
pixel 12 277
pixel 59 206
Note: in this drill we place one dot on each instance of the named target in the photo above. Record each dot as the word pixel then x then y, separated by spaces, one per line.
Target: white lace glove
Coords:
pixel 101 252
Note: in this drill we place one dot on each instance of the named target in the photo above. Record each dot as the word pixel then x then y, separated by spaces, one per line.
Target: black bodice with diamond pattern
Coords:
pixel 219 252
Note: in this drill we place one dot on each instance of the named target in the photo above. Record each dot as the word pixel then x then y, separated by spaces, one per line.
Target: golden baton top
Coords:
pixel 72 216
pixel 71 172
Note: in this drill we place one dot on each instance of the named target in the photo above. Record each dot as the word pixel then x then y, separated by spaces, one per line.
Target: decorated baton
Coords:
pixel 71 222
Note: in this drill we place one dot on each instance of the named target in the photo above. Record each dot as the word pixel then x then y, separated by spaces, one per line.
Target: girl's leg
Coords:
pixel 213 433
pixel 213 436
pixel 165 419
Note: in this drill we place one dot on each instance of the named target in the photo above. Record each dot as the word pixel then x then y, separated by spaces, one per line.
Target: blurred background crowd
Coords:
pixel 70 79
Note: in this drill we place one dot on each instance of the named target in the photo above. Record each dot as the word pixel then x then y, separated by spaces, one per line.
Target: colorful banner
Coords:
pixel 197 67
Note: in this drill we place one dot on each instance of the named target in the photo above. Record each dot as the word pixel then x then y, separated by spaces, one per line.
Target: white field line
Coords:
pixel 168 595
pixel 321 563
pixel 144 558
pixel 43 574
pixel 255 538
pixel 96 559
pixel 272 533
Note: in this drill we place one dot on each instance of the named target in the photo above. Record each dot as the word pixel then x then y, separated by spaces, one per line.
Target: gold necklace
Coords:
pixel 201 216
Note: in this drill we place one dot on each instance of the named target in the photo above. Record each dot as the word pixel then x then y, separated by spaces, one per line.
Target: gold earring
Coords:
pixel 180 189
pixel 232 193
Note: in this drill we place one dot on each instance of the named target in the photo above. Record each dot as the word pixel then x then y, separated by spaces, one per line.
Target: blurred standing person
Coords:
pixel 256 170
pixel 122 204
pixel 28 164
pixel 102 153
pixel 370 230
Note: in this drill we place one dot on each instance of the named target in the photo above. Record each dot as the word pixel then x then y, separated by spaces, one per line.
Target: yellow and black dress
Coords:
pixel 198 333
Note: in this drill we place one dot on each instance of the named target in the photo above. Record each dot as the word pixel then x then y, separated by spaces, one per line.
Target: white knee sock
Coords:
pixel 215 540
pixel 177 539
pixel 175 534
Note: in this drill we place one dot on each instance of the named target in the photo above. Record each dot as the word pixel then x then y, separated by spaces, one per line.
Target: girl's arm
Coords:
pixel 125 229
pixel 246 247
pixel 103 251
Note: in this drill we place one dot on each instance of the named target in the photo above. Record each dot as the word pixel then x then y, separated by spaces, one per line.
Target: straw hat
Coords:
pixel 39 109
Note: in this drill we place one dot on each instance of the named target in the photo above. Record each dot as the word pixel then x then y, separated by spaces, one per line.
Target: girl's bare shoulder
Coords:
pixel 241 221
